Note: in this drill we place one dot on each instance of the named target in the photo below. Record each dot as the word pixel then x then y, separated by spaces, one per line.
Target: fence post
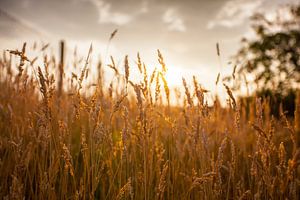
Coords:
pixel 61 67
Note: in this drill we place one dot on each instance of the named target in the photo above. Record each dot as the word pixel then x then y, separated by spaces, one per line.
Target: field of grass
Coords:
pixel 126 141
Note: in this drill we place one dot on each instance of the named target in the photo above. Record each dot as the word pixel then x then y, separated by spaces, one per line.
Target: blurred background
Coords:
pixel 186 32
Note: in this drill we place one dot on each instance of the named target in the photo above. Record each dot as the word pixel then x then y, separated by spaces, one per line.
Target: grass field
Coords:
pixel 126 141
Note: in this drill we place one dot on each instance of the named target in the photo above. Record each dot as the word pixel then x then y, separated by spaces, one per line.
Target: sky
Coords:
pixel 186 31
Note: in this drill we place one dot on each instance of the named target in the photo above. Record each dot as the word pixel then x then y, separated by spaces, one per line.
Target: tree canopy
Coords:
pixel 272 59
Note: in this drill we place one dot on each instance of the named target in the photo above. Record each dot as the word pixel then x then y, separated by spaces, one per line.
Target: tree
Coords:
pixel 272 60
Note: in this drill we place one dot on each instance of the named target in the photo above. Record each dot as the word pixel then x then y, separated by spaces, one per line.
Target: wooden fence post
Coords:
pixel 61 67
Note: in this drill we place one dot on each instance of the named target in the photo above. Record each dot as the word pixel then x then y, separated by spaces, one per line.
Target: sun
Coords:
pixel 174 76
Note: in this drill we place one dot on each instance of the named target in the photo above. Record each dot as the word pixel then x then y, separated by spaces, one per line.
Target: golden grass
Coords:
pixel 124 142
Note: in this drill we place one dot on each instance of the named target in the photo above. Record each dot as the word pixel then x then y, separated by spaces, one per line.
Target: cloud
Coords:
pixel 12 26
pixel 235 12
pixel 173 20
pixel 108 16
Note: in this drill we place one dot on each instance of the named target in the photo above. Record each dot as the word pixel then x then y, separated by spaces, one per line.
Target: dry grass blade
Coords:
pixel 139 63
pixel 153 75
pixel 157 87
pixel 233 72
pixel 229 92
pixel 198 181
pixel 167 90
pixel 33 60
pixel 126 64
pixel 187 92
pixel 43 87
pixel 162 181
pixel 161 61
pixel 260 131
pixel 112 35
pixel 117 104
pixel 22 56
pixel 113 66
pixel 218 78
pixel 84 70
pixel 125 191
pixel 297 120
pixel 218 49
pixel 45 47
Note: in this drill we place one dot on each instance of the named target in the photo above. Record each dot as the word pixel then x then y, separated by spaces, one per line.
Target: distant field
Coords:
pixel 125 140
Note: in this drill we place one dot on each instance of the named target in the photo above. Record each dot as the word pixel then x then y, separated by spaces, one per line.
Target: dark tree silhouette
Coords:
pixel 272 59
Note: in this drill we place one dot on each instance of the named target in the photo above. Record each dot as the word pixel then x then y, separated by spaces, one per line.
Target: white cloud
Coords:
pixel 144 7
pixel 235 12
pixel 173 20
pixel 108 16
